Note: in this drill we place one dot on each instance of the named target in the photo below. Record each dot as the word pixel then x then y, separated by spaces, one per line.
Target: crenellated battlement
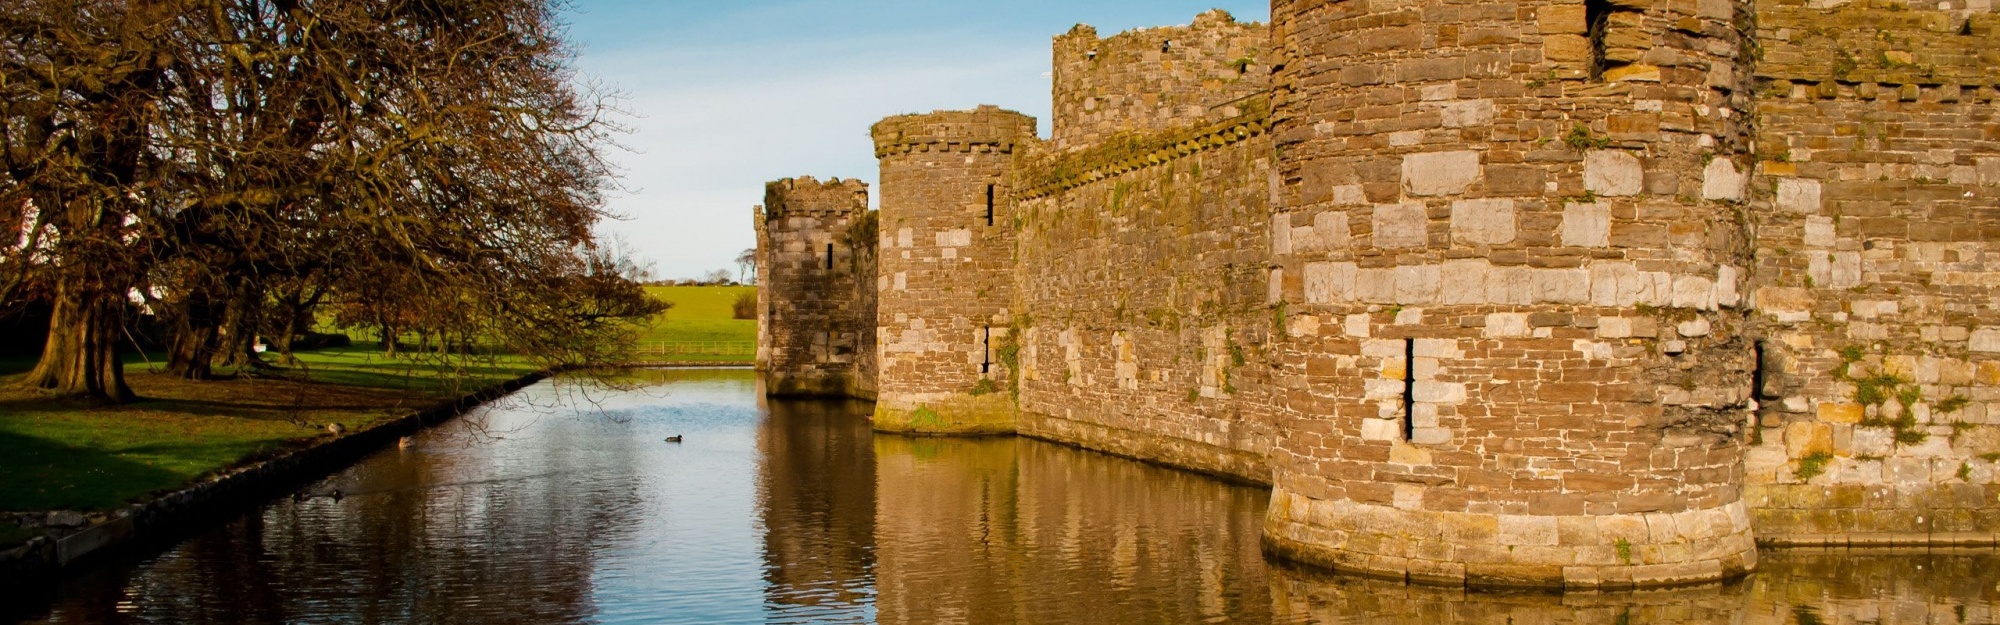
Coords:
pixel 987 129
pixel 806 196
pixel 1155 79
pixel 1047 173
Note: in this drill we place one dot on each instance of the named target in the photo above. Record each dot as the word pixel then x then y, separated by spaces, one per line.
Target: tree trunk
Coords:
pixel 238 337
pixel 389 340
pixel 81 357
pixel 191 351
pixel 282 340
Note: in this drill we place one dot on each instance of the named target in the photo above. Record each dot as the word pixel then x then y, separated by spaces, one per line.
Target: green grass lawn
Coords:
pixel 72 455
pixel 701 314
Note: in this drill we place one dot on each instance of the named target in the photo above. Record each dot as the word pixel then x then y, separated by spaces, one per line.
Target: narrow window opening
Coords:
pixel 1409 389
pixel 989 205
pixel 1597 16
pixel 1757 372
pixel 829 256
pixel 986 349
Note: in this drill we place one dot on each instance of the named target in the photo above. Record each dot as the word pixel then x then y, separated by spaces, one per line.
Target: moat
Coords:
pixel 565 505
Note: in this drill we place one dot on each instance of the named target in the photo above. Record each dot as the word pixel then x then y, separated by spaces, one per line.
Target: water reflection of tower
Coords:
pixel 816 496
pixel 1015 531
pixel 1313 597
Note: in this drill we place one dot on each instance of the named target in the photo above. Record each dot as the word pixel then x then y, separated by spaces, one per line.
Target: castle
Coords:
pixel 1560 293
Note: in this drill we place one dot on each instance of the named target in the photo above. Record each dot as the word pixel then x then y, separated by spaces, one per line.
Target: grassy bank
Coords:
pixel 70 455
pixel 701 321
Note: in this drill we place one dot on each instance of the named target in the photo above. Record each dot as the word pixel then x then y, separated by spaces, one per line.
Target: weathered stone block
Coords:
pixel 1613 173
pixel 1332 229
pixel 1508 325
pixel 1562 19
pixel 1984 340
pixel 1327 283
pixel 1566 48
pixel 1522 530
pixel 1440 173
pixel 1587 225
pixel 1482 222
pixel 1819 231
pixel 1417 284
pixel 1464 282
pixel 1468 113
pixel 1799 195
pixel 1838 412
pixel 1636 72
pixel 1722 181
pixel 1401 225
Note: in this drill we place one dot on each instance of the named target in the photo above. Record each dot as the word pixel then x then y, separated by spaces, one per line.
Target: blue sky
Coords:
pixel 725 95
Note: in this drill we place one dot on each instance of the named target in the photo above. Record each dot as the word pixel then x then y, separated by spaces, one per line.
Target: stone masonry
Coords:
pixel 1544 293
pixel 816 308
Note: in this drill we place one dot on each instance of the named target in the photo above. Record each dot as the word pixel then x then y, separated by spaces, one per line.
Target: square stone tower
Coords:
pixel 816 301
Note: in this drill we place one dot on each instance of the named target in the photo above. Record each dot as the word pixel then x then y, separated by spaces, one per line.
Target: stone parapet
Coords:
pixel 987 129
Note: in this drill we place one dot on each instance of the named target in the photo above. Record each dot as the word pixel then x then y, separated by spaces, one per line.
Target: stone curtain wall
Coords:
pixel 1515 355
pixel 1144 324
pixel 816 305
pixel 1878 217
pixel 1155 79
pixel 946 276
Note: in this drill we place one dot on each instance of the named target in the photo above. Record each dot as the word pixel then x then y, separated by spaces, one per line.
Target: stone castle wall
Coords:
pixel 1876 228
pixel 1166 359
pixel 816 304
pixel 1550 292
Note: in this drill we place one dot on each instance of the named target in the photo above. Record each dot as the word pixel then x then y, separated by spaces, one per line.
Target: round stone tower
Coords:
pixel 946 280
pixel 1517 338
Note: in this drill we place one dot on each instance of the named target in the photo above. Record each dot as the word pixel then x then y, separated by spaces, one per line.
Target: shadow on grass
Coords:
pixel 47 474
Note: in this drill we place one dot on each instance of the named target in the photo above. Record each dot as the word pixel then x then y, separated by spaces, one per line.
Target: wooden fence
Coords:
pixel 698 348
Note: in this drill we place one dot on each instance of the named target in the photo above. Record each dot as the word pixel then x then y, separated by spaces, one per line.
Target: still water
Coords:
pixel 563 504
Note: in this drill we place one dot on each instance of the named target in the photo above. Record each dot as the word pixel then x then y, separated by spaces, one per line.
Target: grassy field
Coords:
pixel 702 315
pixel 70 455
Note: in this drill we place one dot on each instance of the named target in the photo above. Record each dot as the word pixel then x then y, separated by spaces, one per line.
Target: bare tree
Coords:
pixel 430 166
pixel 746 266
